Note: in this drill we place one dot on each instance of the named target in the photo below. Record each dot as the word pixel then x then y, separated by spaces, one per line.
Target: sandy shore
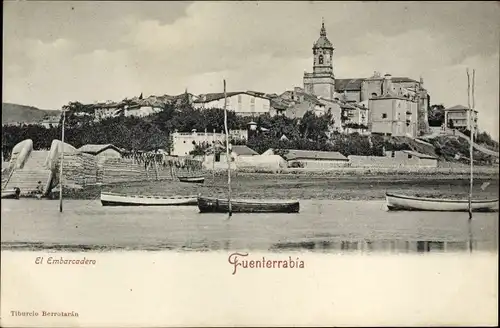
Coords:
pixel 302 186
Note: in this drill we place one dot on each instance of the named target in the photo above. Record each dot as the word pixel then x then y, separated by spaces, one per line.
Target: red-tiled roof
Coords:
pixel 96 149
pixel 244 150
pixel 220 95
pixel 458 108
pixel 354 84
pixel 402 79
pixel 348 84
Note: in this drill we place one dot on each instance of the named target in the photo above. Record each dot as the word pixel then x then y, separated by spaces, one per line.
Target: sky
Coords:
pixel 60 51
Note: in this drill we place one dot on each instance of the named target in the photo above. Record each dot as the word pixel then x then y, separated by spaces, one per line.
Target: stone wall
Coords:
pixel 79 169
pixel 390 162
pixel 317 164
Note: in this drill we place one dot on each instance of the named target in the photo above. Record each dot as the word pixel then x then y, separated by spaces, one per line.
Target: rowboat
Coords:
pixel 113 199
pixel 413 203
pixel 192 179
pixel 11 193
pixel 218 205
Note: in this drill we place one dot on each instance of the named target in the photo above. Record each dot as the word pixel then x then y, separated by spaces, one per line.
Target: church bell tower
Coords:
pixel 321 82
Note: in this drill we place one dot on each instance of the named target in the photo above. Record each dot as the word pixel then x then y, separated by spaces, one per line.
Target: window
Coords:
pixel 320 59
pixel 384 115
pixel 409 156
pixel 393 153
pixel 252 104
pixel 217 157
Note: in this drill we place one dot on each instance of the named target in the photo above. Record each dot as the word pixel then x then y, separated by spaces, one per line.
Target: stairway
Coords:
pixel 36 160
pixel 34 170
pixel 27 180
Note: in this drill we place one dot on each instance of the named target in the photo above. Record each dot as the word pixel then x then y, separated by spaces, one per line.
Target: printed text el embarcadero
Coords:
pixel 62 260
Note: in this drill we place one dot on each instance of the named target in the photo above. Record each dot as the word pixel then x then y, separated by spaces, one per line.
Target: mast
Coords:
pixel 228 157
pixel 471 131
pixel 213 153
pixel 61 164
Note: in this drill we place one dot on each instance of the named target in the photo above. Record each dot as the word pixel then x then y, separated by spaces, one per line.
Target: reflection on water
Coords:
pixel 418 246
pixel 321 226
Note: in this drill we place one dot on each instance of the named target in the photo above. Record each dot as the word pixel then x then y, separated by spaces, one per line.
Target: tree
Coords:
pixel 315 127
pixel 436 115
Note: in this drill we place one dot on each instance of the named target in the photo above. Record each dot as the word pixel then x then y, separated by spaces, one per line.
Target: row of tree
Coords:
pixel 153 132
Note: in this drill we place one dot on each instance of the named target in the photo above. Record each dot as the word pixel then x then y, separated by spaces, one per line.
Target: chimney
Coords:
pixel 387 85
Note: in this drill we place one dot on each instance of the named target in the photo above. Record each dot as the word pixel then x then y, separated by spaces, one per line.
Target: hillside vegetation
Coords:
pixel 278 132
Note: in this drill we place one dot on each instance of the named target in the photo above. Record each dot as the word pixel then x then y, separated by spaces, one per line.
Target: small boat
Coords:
pixel 218 205
pixel 414 203
pixel 11 194
pixel 192 179
pixel 113 199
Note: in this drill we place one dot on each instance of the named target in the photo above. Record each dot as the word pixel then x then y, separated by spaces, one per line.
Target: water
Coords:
pixel 323 226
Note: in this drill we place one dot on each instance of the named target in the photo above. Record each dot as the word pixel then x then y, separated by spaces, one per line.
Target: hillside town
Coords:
pixel 382 104
pixel 381 121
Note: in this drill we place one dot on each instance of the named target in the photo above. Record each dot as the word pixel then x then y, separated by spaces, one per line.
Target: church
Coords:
pixel 367 91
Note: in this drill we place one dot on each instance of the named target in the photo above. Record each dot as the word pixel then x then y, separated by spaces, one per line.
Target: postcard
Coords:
pixel 249 163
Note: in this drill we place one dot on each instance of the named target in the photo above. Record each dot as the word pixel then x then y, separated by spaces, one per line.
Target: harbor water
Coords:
pixel 321 226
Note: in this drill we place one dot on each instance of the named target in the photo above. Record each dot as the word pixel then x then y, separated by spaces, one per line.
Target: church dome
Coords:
pixel 323 41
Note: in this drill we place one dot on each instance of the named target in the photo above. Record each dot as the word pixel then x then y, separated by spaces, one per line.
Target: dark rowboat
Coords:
pixel 112 199
pixel 413 203
pixel 192 179
pixel 218 205
pixel 11 193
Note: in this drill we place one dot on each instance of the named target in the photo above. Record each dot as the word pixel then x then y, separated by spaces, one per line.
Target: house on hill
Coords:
pixel 245 103
pixel 458 117
pixel 101 151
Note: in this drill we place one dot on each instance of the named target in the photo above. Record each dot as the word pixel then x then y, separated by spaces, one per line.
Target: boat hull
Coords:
pixel 11 194
pixel 411 203
pixel 218 205
pixel 110 199
pixel 192 179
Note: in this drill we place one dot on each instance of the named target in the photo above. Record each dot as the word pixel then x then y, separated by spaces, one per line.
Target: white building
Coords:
pixel 184 142
pixel 355 117
pixel 140 111
pixel 460 118
pixel 106 112
pixel 245 103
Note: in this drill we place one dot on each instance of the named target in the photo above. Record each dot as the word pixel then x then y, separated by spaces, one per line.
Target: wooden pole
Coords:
pixel 228 156
pixel 213 158
pixel 156 166
pixel 61 164
pixel 470 138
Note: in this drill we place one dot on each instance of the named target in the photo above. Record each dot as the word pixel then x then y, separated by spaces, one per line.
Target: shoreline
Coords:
pixel 301 186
